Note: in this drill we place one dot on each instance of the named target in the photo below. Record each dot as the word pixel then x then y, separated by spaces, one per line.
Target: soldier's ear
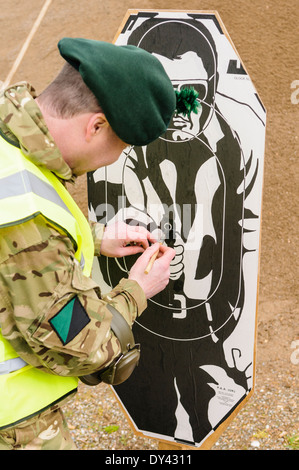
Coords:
pixel 95 124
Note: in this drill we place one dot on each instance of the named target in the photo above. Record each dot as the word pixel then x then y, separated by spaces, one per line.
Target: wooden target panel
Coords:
pixel 199 188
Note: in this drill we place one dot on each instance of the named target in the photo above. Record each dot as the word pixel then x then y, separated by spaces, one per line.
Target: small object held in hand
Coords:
pixel 151 261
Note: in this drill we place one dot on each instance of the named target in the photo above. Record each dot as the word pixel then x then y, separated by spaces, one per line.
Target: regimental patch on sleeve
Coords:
pixel 69 321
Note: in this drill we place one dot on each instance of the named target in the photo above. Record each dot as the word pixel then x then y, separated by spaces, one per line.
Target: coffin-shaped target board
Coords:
pixel 198 188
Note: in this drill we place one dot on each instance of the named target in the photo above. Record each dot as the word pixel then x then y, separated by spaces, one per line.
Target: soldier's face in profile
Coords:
pixel 186 71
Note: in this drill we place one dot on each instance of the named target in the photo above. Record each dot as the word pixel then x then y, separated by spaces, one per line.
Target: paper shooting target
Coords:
pixel 199 188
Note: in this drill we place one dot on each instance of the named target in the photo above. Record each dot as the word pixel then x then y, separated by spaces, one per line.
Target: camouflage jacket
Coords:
pixel 39 274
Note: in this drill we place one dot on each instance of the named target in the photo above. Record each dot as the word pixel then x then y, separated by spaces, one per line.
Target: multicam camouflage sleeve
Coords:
pixel 97 231
pixel 53 315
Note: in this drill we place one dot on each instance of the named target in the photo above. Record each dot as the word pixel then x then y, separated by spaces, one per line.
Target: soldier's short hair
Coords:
pixel 67 95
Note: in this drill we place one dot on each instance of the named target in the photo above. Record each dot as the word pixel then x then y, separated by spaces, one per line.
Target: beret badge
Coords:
pixel 186 101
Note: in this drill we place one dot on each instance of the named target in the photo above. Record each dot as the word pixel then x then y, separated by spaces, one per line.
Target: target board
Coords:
pixel 199 189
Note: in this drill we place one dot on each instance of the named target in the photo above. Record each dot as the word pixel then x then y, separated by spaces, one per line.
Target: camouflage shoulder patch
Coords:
pixel 69 321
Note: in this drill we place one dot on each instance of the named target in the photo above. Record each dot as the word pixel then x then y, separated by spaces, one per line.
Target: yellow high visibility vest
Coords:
pixel 27 190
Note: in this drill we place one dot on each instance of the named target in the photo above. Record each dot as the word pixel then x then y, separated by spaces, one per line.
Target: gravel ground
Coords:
pixel 269 421
pixel 97 422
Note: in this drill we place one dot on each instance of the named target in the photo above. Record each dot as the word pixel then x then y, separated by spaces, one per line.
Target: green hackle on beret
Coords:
pixel 130 84
pixel 186 101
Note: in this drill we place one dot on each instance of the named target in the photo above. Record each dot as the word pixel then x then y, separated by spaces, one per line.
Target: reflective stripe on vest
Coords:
pixel 9 360
pixel 26 191
pixel 11 365
pixel 26 391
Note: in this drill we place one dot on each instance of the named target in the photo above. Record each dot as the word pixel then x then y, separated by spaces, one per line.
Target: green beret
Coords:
pixel 130 84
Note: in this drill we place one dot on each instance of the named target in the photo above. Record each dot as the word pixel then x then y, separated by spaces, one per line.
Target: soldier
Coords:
pixel 55 323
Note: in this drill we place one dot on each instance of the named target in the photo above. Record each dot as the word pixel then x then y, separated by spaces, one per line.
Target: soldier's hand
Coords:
pixel 158 277
pixel 122 239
